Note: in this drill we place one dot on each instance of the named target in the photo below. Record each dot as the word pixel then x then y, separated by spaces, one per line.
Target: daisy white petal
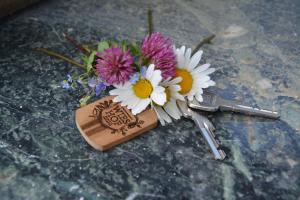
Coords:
pixel 158 97
pixel 142 105
pixel 177 110
pixel 163 116
pixel 174 81
pixel 195 60
pixel 156 78
pixel 187 57
pixel 150 71
pixel 171 108
pixel 202 68
pixel 209 71
pixel 199 97
pixel 205 72
pixel 159 89
pixel 179 97
pixel 114 92
pixel 190 97
pixel 159 116
pixel 132 102
pixel 122 86
pixel 180 56
pixel 211 83
pixel 182 50
pixel 120 92
pixel 200 90
pixel 201 80
pixel 125 97
pixel 175 88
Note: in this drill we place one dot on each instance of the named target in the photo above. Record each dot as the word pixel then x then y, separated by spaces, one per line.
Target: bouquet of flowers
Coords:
pixel 150 73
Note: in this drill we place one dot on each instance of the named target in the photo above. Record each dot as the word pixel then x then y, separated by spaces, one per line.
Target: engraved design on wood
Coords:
pixel 115 117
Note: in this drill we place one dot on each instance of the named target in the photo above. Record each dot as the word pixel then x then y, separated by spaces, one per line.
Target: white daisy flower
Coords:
pixel 137 96
pixel 195 77
pixel 170 109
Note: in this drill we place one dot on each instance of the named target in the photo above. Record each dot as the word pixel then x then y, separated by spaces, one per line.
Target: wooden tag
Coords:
pixel 105 124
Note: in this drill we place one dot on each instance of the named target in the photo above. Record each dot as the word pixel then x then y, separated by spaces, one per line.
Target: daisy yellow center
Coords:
pixel 142 88
pixel 187 80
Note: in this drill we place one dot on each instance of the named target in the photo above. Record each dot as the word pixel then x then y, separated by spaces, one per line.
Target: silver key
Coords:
pixel 206 129
pixel 213 103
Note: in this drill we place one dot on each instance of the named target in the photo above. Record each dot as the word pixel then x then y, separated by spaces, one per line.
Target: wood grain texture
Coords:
pixel 105 124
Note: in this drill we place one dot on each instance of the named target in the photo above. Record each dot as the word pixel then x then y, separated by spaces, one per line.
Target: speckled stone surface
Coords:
pixel 256 54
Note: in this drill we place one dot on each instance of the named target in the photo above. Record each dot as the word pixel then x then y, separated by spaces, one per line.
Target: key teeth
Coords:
pixel 211 126
pixel 208 125
pixel 213 133
pixel 222 153
pixel 218 143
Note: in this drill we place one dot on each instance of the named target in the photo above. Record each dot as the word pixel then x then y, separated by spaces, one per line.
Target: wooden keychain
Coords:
pixel 105 124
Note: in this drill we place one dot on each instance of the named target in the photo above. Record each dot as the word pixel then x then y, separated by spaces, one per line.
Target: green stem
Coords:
pixel 150 21
pixel 59 56
pixel 206 40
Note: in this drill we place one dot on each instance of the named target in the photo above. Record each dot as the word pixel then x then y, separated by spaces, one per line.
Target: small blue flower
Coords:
pixel 65 84
pixel 92 82
pixel 134 78
pixel 99 88
pixel 99 80
pixel 70 80
pixel 106 84
pixel 143 71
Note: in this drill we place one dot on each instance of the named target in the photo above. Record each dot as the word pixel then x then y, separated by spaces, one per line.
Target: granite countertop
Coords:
pixel 256 54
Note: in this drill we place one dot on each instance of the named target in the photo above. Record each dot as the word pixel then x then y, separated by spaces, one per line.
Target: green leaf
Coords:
pixel 85 60
pixel 83 101
pixel 91 58
pixel 124 44
pixel 102 46
pixel 135 48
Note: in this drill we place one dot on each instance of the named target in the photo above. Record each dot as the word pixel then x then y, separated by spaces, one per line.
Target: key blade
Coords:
pixel 212 103
pixel 218 154
pixel 233 106
pixel 206 129
pixel 208 136
pixel 208 126
pixel 248 110
pixel 207 123
pixel 222 154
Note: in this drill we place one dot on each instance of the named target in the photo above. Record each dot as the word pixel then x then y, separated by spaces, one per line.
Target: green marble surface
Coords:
pixel 256 54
